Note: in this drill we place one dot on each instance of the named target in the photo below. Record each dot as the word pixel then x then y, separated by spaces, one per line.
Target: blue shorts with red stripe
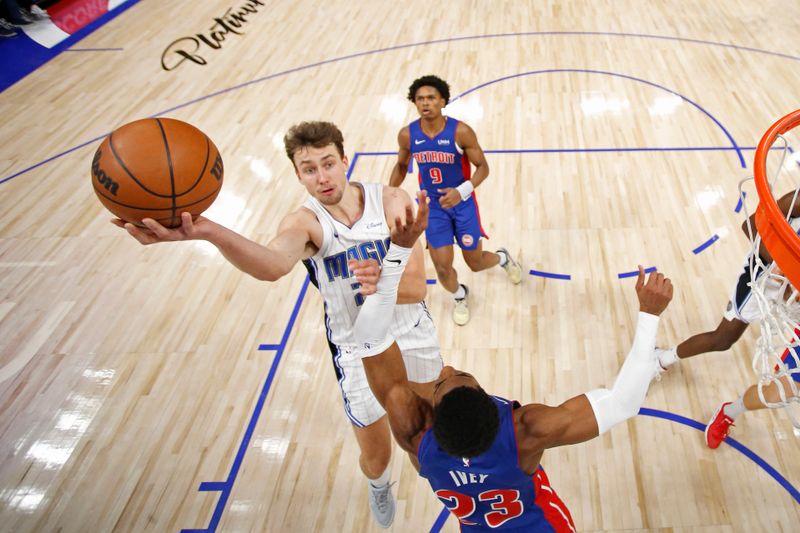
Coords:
pixel 460 224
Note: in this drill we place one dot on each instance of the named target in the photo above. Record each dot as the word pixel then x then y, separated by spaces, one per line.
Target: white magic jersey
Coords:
pixel 367 238
pixel 412 326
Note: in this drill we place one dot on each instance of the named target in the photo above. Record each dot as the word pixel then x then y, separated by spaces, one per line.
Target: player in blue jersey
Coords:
pixel 444 148
pixel 481 453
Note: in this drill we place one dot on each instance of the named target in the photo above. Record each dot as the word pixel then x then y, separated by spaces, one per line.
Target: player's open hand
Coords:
pixel 154 232
pixel 367 272
pixel 406 233
pixel 450 197
pixel 655 294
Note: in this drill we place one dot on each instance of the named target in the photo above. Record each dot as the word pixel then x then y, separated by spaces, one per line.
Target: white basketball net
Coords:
pixel 779 305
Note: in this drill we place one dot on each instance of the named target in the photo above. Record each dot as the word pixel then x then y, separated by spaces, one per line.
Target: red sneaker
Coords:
pixel 718 427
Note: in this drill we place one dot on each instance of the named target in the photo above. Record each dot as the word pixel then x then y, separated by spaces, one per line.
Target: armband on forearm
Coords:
pixel 623 401
pixel 465 190
pixel 371 329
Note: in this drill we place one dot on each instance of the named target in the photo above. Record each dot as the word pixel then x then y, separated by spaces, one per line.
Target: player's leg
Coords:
pixel 776 392
pixel 375 443
pixel 371 430
pixel 440 234
pixel 727 332
pixel 442 258
pixel 741 310
pixel 468 235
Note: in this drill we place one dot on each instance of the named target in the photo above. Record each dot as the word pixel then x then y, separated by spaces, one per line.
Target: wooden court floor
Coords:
pixel 134 395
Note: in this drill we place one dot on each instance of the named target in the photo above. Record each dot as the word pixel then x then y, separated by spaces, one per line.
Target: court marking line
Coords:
pixel 225 487
pixel 617 75
pixel 711 240
pixel 412 45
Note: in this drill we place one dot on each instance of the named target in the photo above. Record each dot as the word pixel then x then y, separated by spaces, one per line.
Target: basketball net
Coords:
pixel 779 306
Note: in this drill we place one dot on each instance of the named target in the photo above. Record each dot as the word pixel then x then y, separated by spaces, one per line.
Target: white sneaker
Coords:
pixel 37 13
pixel 381 503
pixel 461 309
pixel 665 358
pixel 512 268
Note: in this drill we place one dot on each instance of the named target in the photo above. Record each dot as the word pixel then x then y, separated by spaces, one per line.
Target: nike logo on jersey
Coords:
pixel 419 141
pixel 395 261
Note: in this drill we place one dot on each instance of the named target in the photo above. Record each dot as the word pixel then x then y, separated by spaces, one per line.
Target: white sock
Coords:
pixel 667 357
pixel 460 294
pixel 383 480
pixel 735 408
pixel 503 257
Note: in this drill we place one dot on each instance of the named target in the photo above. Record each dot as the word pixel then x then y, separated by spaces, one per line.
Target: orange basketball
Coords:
pixel 156 168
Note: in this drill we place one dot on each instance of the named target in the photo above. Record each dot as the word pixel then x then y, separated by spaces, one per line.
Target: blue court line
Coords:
pixel 225 487
pixel 417 44
pixel 549 275
pixel 266 347
pixel 714 238
pixel 634 273
pixel 440 520
pixel 740 203
pixel 730 441
pixel 617 75
pixel 598 150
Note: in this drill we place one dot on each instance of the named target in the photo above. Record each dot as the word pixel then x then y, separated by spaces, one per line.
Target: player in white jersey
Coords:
pixel 340 221
pixel 742 308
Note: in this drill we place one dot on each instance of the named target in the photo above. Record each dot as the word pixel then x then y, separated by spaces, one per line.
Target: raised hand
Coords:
pixel 406 233
pixel 655 294
pixel 154 232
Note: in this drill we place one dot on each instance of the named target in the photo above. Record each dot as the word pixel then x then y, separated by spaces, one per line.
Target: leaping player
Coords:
pixel 481 453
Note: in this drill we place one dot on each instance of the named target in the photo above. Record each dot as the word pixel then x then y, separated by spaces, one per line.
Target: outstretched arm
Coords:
pixel 267 263
pixel 586 416
pixel 383 362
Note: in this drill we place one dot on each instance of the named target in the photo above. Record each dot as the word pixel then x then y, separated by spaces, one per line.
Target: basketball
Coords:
pixel 156 168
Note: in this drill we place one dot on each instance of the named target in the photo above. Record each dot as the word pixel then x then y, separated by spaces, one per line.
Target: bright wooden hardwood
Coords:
pixel 130 374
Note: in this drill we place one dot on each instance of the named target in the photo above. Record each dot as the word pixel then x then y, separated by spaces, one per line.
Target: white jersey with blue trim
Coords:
pixel 367 238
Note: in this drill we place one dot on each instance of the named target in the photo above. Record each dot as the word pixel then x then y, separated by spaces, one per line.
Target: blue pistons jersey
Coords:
pixel 440 161
pixel 491 492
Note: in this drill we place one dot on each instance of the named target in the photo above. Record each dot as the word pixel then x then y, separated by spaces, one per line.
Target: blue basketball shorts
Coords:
pixel 460 224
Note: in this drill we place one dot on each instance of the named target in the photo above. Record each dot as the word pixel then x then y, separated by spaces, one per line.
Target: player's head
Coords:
pixel 316 150
pixel 465 419
pixel 430 94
